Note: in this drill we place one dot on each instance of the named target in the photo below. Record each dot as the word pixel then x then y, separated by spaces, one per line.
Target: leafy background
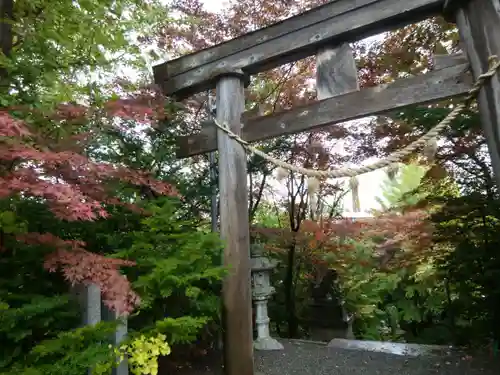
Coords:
pixel 91 191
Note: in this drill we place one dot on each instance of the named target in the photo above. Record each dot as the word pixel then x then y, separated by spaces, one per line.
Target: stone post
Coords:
pixel 261 292
pixel 94 311
pixel 348 318
pixel 89 297
pixel 119 335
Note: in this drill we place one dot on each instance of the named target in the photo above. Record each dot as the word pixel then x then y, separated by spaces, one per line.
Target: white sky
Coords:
pixel 214 5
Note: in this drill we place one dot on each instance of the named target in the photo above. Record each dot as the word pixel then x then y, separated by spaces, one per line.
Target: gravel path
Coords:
pixel 301 358
pixel 309 358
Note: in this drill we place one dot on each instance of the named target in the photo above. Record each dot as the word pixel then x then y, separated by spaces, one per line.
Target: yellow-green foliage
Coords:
pixel 142 355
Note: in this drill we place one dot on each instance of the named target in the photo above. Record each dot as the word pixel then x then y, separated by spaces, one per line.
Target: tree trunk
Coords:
pixel 292 321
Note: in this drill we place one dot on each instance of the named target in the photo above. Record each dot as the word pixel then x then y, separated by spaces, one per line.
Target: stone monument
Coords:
pixel 327 317
pixel 261 292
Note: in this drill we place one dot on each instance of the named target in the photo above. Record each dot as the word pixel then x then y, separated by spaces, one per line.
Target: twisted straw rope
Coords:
pixel 393 158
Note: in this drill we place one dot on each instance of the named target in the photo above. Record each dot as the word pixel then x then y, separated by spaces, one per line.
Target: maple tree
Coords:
pixel 88 189
pixel 43 142
pixel 59 110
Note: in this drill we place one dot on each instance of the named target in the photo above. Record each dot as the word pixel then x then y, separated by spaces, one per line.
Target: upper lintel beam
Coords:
pixel 453 80
pixel 290 40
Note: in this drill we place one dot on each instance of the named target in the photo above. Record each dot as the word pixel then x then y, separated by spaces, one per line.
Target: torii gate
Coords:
pixel 324 31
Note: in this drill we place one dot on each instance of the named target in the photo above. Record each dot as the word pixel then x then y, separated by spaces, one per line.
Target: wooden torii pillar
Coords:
pixel 328 27
pixel 478 24
pixel 234 227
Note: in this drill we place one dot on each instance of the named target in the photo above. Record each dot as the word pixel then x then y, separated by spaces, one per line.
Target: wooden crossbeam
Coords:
pixel 445 61
pixel 300 36
pixel 437 85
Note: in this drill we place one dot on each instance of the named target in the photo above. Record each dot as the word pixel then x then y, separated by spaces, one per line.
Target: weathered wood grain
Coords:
pixel 450 8
pixel 433 86
pixel 336 72
pixel 445 61
pixel 348 20
pixel 330 9
pixel 234 231
pixel 479 27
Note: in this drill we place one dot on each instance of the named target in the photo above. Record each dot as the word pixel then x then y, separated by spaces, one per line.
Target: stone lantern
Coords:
pixel 261 292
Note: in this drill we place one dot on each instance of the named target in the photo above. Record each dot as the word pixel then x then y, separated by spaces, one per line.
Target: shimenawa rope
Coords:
pixel 395 157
